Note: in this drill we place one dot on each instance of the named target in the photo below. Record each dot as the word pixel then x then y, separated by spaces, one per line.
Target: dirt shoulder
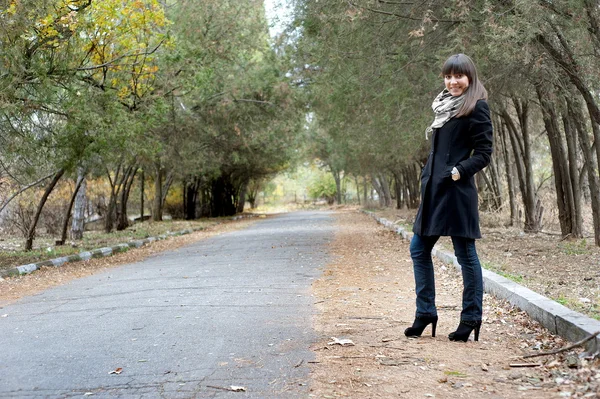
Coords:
pixel 14 288
pixel 367 295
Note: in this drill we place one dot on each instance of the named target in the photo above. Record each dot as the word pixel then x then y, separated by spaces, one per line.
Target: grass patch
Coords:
pixel 579 247
pixel 589 309
pixel 455 374
pixel 12 254
pixel 517 278
pixel 562 300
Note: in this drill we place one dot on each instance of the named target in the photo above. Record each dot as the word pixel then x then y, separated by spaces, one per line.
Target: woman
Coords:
pixel 461 145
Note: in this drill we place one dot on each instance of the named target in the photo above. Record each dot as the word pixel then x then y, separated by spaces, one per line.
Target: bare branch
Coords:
pixel 109 63
pixel 575 345
pixel 25 189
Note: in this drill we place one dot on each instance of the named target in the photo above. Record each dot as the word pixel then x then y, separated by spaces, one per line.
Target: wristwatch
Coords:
pixel 455 174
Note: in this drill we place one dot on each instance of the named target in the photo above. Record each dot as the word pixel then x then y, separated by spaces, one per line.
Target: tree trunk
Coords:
pixel 166 188
pixel 78 224
pixel 416 188
pixel 399 189
pixel 142 181
pixel 357 189
pixel 63 235
pixel 38 212
pixel 109 218
pixel 509 175
pixel 496 184
pixel 385 186
pixel 571 139
pixel 241 198
pixel 222 201
pixel 191 196
pixel 338 184
pixel 593 179
pixel 128 179
pixel 376 183
pixel 157 209
pixel 562 180
pixel 522 157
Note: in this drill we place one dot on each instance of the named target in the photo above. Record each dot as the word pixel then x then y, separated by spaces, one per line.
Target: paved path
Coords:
pixel 234 309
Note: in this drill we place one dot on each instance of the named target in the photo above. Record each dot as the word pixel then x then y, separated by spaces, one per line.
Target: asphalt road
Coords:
pixel 231 310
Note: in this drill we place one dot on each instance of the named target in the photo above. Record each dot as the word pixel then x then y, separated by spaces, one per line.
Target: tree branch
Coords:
pixel 108 63
pixel 575 345
pixel 25 189
pixel 433 19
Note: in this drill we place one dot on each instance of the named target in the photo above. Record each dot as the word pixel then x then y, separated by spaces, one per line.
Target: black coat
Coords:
pixel 448 207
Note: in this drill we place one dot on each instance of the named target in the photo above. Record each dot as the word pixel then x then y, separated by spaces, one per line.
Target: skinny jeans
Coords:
pixel 464 249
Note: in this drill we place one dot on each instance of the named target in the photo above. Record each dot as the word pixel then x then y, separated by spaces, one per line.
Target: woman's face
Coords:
pixel 456 83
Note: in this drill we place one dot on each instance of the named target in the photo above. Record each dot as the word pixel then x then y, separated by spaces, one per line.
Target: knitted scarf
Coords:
pixel 445 106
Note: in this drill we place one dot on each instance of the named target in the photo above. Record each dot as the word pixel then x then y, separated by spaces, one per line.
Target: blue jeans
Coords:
pixel 464 249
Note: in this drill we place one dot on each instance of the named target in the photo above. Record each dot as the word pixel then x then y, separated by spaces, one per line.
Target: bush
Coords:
pixel 323 187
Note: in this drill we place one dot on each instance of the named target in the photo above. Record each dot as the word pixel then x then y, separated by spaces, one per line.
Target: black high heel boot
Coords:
pixel 419 325
pixel 464 330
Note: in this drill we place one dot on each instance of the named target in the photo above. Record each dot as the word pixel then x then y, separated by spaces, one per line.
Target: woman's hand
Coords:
pixel 455 174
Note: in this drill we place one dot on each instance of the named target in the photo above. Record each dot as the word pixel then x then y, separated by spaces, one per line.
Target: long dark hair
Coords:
pixel 463 64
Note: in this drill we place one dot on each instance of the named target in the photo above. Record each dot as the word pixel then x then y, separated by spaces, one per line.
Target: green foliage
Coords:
pixel 502 272
pixel 323 187
pixel 578 247
pixel 199 95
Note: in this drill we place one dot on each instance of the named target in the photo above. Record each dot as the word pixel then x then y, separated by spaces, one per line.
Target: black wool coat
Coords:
pixel 448 207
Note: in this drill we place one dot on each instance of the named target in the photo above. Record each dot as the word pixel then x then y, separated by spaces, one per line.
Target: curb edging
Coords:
pixel 104 252
pixel 94 253
pixel 557 318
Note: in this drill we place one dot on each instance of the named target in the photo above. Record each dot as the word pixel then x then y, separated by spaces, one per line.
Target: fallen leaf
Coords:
pixel 236 388
pixel 4 315
pixel 116 371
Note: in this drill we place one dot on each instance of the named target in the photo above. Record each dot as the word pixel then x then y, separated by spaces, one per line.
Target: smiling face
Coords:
pixel 456 83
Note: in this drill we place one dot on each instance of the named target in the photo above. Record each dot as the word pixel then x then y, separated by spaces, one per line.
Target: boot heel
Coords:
pixel 419 325
pixel 464 330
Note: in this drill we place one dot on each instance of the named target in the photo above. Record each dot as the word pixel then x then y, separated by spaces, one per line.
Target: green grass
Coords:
pixel 517 278
pixel 562 300
pixel 13 255
pixel 592 310
pixel 578 247
pixel 455 374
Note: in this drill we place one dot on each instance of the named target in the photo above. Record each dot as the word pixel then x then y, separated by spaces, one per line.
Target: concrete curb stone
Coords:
pixel 102 252
pixel 557 318
pixel 87 255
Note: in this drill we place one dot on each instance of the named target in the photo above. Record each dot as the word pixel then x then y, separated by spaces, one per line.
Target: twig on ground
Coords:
pixel 575 345
pixel 525 364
